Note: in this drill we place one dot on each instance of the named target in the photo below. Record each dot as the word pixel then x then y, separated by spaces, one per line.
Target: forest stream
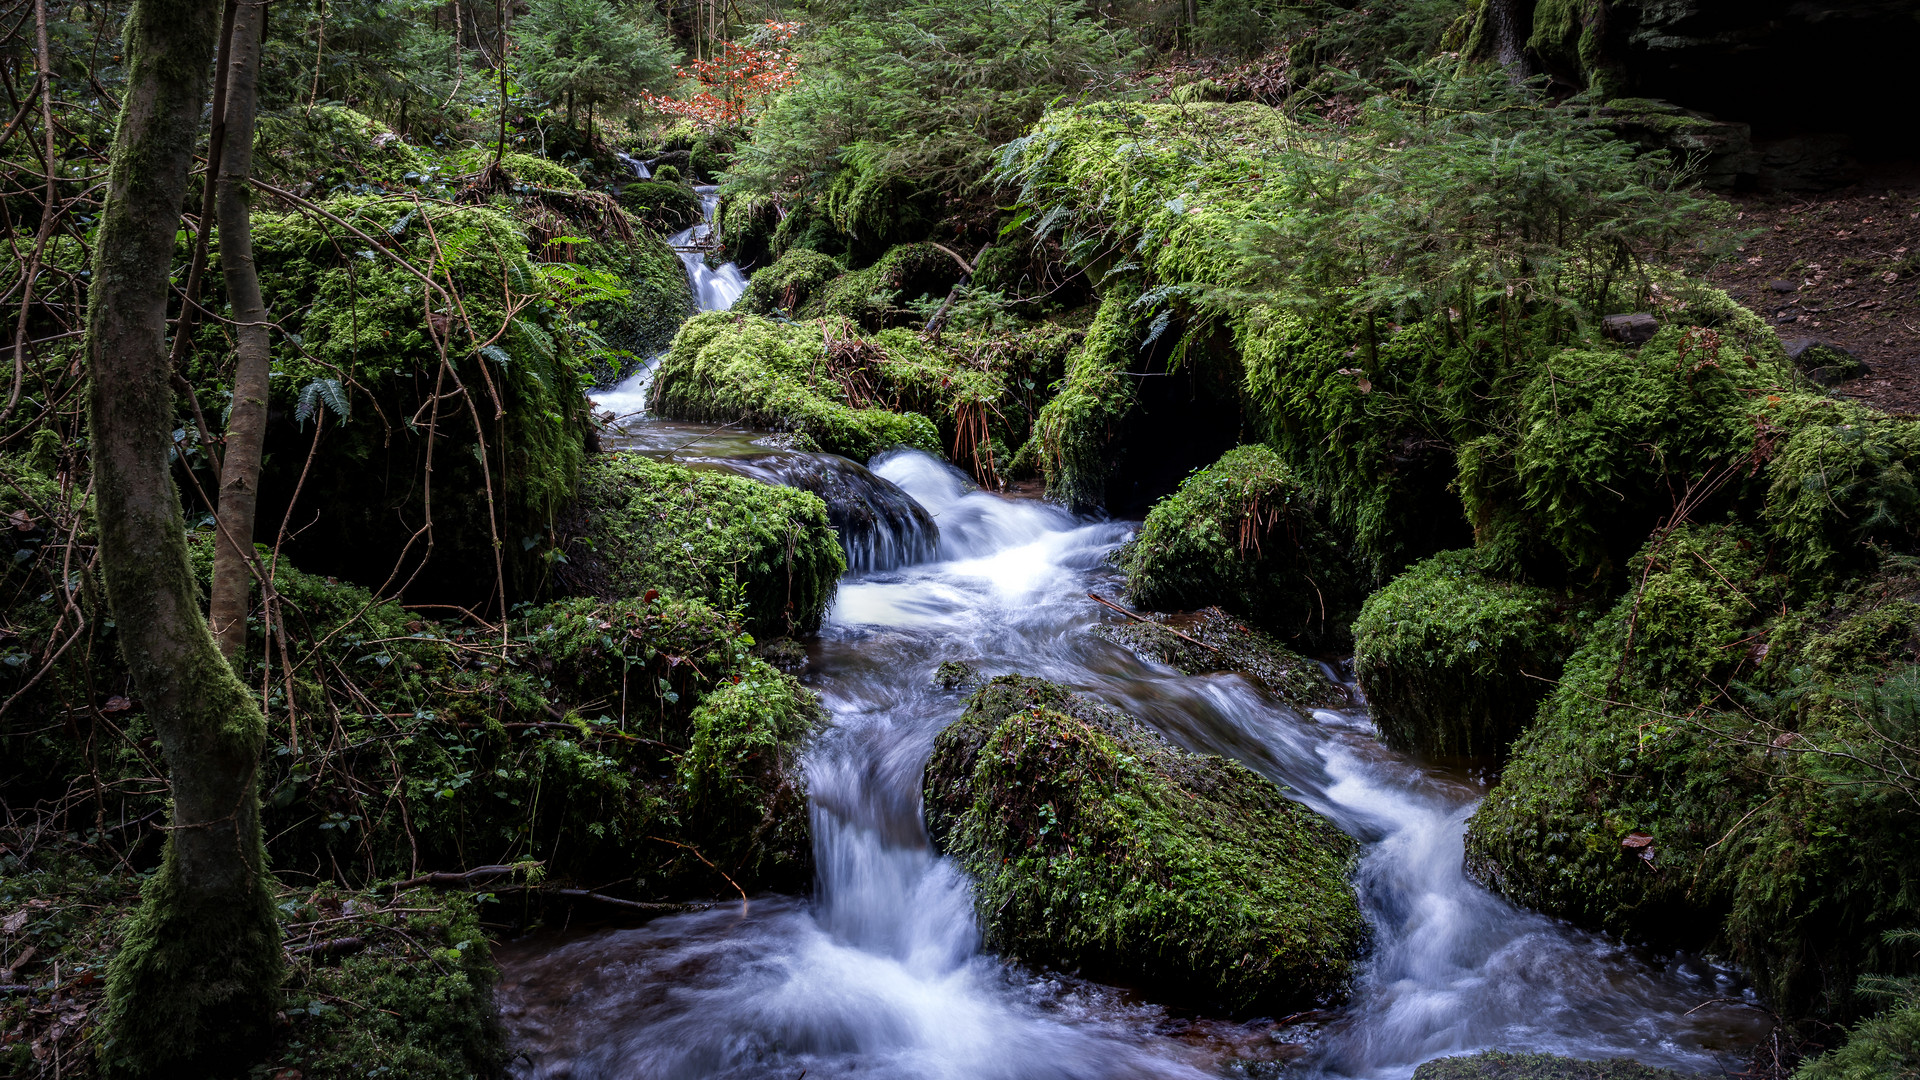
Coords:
pixel 880 972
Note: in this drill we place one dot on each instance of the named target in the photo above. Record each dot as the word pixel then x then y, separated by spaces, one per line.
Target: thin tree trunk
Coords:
pixel 193 989
pixel 247 424
pixel 500 27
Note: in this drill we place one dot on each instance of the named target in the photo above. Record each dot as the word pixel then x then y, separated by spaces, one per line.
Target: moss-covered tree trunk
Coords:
pixel 247 424
pixel 195 983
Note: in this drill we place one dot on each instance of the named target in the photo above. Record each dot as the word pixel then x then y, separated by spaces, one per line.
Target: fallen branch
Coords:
pixel 330 947
pixel 1137 617
pixel 453 877
pixel 610 901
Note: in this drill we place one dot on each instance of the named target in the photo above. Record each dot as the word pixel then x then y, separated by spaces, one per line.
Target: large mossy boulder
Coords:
pixel 790 283
pixel 665 208
pixel 1246 534
pixel 726 367
pixel 1210 640
pixel 396 381
pixel 1096 845
pixel 1502 1065
pixel 1454 661
pixel 1711 770
pixel 659 298
pixel 653 525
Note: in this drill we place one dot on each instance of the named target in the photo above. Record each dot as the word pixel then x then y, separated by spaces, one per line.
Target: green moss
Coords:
pixel 1228 644
pixel 1843 482
pixel 1501 1065
pixel 1095 844
pixel 1700 775
pixel 665 208
pixel 884 294
pixel 359 324
pixel 524 169
pixel 332 145
pixel 711 535
pixel 1074 429
pixel 746 800
pixel 666 174
pixel 1606 438
pixel 1244 533
pixel 789 283
pixel 769 374
pixel 745 229
pixel 659 297
pixel 1454 662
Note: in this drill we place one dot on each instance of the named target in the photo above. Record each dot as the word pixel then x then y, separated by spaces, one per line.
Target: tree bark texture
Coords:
pixel 196 981
pixel 1510 24
pixel 247 424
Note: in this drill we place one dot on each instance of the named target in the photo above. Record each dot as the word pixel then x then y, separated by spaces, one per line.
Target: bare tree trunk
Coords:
pixel 247 425
pixel 195 984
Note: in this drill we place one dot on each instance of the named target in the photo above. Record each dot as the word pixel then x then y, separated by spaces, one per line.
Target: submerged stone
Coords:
pixel 1096 845
pixel 1209 640
pixel 1501 1065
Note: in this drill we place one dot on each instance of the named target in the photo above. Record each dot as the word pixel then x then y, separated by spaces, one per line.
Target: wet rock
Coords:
pixel 957 675
pixel 1784 285
pixel 1097 845
pixel 1723 152
pixel 1824 362
pixel 1210 640
pixel 784 653
pixel 1500 1065
pixel 1635 329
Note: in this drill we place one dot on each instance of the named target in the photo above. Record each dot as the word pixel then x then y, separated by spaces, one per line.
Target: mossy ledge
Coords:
pixel 1096 845
pixel 646 525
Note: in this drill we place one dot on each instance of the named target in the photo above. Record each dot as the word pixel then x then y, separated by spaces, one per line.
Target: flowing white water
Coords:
pixel 880 973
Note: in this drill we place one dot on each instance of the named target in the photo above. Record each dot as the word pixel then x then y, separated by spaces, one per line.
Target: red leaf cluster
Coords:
pixel 738 80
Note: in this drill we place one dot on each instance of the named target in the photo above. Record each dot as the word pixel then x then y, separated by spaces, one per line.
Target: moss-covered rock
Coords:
pixel 1454 661
pixel 745 229
pixel 1703 775
pixel 790 283
pixel 659 299
pixel 1210 640
pixel 1074 429
pixel 1246 534
pixel 362 357
pixel 654 525
pixel 774 375
pixel 1502 1065
pixel 883 294
pixel 1844 483
pixel 1097 845
pixel 665 208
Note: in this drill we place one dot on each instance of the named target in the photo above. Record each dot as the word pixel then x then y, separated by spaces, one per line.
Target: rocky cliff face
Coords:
pixel 1782 94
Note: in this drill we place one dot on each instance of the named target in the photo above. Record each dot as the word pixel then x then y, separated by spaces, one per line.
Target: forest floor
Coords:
pixel 1842 267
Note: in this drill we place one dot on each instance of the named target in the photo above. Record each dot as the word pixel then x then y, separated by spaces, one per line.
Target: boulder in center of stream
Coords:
pixel 1096 845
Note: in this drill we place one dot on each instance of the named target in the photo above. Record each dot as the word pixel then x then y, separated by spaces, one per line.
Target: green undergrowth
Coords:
pixel 652 526
pixel 790 283
pixel 1432 392
pixel 659 299
pixel 1210 640
pixel 1095 844
pixel 1246 534
pixel 1454 661
pixel 1720 767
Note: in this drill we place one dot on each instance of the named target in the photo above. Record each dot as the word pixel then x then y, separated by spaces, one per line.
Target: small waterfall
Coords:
pixel 713 290
pixel 639 167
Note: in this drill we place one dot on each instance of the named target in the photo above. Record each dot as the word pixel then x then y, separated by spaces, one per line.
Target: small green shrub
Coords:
pixel 1097 845
pixel 1245 534
pixel 1453 661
